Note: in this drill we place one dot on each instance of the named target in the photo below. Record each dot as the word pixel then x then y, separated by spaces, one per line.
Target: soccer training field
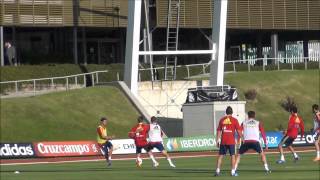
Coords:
pixel 199 168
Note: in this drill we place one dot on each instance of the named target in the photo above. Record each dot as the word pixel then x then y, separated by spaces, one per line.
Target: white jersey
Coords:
pixel 316 122
pixel 155 133
pixel 251 130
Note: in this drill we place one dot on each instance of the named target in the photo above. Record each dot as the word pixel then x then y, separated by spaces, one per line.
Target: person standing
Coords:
pixel 295 123
pixel 10 54
pixel 103 140
pixel 156 141
pixel 140 134
pixel 316 130
pixel 251 129
pixel 225 139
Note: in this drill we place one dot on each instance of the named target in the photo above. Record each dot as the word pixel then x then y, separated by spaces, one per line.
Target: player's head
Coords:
pixel 140 119
pixel 251 114
pixel 153 119
pixel 294 109
pixel 104 121
pixel 229 110
pixel 7 44
pixel 315 108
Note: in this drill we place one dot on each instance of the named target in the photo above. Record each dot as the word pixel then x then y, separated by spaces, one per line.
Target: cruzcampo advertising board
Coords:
pixel 196 143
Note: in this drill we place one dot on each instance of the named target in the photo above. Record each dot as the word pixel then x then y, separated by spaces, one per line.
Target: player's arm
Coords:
pixel 301 125
pixel 99 130
pixel 290 125
pixel 132 133
pixel 239 137
pixel 318 120
pixel 219 131
pixel 263 134
pixel 110 137
pixel 318 116
pixel 239 130
pixel 218 137
pixel 147 127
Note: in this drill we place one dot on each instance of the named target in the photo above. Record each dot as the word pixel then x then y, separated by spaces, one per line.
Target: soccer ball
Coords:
pixel 139 162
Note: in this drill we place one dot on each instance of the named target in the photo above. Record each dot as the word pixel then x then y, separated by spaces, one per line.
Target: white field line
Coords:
pixel 126 159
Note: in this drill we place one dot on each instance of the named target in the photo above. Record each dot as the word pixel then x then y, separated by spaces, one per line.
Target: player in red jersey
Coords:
pixel 316 129
pixel 295 123
pixel 140 134
pixel 225 139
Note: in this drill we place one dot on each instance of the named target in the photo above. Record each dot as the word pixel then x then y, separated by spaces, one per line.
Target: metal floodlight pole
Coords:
pixel 219 26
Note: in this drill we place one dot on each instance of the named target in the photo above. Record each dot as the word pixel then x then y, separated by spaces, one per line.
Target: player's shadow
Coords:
pixel 284 170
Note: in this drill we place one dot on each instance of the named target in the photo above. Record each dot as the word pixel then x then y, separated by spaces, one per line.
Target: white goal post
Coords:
pixel 219 20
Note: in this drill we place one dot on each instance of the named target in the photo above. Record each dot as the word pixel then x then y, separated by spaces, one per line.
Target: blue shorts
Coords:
pixel 224 148
pixel 146 147
pixel 287 141
pixel 250 145
pixel 158 146
pixel 105 147
pixel 317 136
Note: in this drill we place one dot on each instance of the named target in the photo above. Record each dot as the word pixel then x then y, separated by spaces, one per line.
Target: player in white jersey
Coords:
pixel 316 129
pixel 155 139
pixel 251 139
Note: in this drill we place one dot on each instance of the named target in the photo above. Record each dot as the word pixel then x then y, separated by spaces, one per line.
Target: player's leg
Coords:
pixel 149 148
pixel 138 153
pixel 317 146
pixel 104 148
pixel 232 150
pixel 219 163
pixel 160 147
pixel 257 147
pixel 110 149
pixel 288 143
pixel 280 148
pixel 295 155
pixel 242 150
pixel 222 153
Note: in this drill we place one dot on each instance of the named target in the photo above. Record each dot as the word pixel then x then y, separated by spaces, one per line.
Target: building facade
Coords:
pixel 56 31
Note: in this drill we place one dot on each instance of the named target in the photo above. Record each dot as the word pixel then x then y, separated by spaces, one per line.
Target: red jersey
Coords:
pixel 228 125
pixel 140 134
pixel 295 122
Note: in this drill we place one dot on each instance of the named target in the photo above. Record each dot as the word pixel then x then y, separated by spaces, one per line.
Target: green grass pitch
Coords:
pixel 199 168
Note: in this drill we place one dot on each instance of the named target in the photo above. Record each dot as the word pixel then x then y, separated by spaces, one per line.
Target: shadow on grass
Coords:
pixel 179 171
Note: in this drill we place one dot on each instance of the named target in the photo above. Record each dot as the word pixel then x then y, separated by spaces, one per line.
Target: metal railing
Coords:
pixel 35 86
pixel 261 64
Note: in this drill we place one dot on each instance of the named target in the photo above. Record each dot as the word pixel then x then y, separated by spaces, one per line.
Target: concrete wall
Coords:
pixel 203 118
pixel 172 127
pixel 165 98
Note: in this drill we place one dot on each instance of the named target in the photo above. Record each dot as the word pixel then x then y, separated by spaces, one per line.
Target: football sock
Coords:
pixel 218 170
pixel 295 155
pixel 153 159
pixel 169 160
pixel 139 159
pixel 266 167
pixel 318 154
pixel 282 157
pixel 233 171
